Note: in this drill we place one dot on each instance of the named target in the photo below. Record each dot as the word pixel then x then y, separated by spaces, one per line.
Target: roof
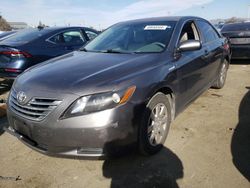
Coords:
pixel 59 27
pixel 54 28
pixel 166 18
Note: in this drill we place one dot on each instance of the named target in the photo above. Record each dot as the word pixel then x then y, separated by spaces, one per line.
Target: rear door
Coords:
pixel 213 45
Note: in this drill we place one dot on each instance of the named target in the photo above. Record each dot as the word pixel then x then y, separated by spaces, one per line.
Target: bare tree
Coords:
pixel 4 26
pixel 235 20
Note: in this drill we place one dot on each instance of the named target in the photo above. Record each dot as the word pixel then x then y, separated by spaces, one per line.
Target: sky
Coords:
pixel 103 13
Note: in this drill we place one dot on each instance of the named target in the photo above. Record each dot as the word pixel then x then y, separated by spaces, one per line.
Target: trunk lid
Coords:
pixel 5 55
pixel 238 37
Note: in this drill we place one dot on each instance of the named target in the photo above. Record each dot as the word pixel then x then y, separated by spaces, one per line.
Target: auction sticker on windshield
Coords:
pixel 157 27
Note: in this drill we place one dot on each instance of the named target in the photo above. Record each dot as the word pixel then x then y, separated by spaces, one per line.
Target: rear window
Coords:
pixel 27 35
pixel 6 33
pixel 236 27
pixel 208 31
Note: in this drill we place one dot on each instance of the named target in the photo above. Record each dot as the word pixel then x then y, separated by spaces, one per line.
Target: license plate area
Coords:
pixel 240 40
pixel 22 127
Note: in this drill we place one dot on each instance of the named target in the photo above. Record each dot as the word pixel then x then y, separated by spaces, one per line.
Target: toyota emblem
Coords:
pixel 21 97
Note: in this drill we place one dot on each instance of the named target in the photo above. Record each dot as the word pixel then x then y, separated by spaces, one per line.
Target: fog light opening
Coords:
pixel 90 151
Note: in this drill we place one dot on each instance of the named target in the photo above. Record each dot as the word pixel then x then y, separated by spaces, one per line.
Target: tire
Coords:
pixel 155 124
pixel 221 79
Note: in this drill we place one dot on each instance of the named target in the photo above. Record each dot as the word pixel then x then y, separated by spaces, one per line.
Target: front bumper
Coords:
pixel 92 135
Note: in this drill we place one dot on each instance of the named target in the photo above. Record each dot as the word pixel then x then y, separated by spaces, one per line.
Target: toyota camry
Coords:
pixel 123 88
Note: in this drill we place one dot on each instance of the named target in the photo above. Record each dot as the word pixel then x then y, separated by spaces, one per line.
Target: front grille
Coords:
pixel 36 109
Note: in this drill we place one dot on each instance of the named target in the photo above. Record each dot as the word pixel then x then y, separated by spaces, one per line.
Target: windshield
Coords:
pixel 134 38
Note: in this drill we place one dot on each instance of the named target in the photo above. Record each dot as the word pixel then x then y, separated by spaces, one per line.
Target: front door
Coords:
pixel 191 66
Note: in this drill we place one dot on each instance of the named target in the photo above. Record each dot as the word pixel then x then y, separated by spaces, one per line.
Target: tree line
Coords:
pixel 4 26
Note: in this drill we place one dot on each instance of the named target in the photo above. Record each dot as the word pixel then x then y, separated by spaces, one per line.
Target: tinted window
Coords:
pixel 27 35
pixel 7 33
pixel 208 31
pixel 189 32
pixel 134 37
pixel 68 37
pixel 236 27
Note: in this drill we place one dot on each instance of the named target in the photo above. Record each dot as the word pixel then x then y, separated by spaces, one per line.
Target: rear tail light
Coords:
pixel 12 70
pixel 16 53
pixel 226 46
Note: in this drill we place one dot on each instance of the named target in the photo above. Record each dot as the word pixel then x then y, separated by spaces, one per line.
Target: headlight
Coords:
pixel 98 102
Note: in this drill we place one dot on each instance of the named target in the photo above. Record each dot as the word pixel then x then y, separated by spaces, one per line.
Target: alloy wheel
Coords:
pixel 223 73
pixel 157 124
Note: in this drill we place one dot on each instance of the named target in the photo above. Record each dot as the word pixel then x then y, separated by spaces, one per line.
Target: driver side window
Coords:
pixel 189 32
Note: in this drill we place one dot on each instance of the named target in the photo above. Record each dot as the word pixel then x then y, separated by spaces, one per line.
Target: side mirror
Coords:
pixel 190 45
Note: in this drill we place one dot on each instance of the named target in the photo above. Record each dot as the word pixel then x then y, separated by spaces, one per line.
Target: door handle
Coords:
pixel 206 53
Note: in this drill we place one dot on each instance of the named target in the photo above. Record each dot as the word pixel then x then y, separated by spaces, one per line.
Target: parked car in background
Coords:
pixel 239 36
pixel 6 35
pixel 32 46
pixel 126 86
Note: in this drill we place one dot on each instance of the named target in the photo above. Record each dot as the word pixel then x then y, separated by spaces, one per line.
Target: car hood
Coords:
pixel 84 72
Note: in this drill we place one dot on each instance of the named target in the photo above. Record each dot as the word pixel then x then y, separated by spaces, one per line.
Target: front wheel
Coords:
pixel 221 79
pixel 155 124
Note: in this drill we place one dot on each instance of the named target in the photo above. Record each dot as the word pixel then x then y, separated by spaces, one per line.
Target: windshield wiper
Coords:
pixel 105 51
pixel 83 49
pixel 115 51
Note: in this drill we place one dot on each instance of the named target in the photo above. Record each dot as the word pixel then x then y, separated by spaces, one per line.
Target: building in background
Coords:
pixel 18 25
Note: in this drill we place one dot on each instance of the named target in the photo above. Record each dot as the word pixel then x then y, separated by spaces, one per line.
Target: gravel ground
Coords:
pixel 208 146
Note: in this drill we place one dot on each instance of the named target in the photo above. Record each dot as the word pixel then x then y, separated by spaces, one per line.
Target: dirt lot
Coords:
pixel 208 146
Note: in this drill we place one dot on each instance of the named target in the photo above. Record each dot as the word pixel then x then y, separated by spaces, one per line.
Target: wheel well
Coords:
pixel 166 90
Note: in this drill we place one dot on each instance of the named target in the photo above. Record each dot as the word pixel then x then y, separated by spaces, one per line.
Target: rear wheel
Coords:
pixel 221 79
pixel 155 124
